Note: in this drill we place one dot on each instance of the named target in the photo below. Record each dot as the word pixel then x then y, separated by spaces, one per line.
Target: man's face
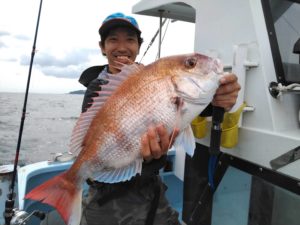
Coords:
pixel 121 45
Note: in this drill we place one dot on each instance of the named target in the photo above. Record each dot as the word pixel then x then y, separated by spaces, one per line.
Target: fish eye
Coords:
pixel 191 62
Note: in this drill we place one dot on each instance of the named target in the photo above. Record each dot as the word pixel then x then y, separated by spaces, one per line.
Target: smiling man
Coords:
pixel 140 200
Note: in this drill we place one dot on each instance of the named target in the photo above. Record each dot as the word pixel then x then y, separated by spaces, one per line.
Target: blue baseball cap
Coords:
pixel 118 19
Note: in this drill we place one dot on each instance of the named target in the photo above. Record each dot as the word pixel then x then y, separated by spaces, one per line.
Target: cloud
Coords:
pixel 73 57
pixel 15 79
pixel 2 44
pixel 7 37
pixel 16 82
pixel 63 72
pixel 66 45
pixel 4 33
pixel 70 65
pixel 7 40
pixel 9 59
pixel 22 37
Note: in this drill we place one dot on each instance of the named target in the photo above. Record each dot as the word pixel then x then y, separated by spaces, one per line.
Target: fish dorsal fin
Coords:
pixel 83 123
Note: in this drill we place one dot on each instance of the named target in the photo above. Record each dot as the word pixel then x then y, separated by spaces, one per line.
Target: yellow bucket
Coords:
pixel 230 128
pixel 229 137
pixel 199 127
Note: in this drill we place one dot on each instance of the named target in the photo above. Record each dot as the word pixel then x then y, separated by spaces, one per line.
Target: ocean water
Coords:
pixel 48 125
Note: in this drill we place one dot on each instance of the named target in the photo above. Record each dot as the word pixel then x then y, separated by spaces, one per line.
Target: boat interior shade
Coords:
pixel 282 20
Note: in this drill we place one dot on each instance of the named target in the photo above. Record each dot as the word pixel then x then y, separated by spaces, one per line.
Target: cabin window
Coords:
pixel 282 20
pixel 245 199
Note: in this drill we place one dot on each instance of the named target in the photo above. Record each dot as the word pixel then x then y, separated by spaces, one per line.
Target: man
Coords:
pixel 140 200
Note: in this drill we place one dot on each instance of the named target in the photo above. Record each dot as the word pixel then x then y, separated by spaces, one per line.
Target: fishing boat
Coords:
pixel 252 176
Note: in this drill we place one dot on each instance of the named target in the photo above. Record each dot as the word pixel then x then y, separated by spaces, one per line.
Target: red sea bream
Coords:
pixel 172 91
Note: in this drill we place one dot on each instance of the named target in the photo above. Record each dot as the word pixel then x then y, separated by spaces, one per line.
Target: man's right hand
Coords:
pixel 156 142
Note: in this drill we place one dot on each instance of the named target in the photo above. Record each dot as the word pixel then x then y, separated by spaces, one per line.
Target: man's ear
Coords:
pixel 139 51
pixel 101 45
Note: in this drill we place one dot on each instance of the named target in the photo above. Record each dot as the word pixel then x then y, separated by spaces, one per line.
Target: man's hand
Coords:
pixel 156 142
pixel 227 93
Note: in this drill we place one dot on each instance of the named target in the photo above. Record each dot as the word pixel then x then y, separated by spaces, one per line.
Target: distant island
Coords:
pixel 79 92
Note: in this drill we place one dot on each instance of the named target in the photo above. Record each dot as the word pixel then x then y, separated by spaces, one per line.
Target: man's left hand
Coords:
pixel 227 93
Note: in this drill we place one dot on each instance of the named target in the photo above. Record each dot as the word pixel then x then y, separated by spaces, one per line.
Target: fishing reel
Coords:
pixel 21 217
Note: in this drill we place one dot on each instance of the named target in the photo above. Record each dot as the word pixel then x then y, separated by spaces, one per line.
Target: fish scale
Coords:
pixel 137 123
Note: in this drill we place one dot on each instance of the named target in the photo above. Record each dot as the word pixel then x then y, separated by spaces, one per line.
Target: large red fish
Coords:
pixel 171 91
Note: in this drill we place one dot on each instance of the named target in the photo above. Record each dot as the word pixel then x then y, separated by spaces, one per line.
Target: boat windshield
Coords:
pixel 282 20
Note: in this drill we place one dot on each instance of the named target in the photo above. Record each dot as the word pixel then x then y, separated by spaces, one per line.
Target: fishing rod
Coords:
pixel 9 204
pixel 215 143
pixel 214 157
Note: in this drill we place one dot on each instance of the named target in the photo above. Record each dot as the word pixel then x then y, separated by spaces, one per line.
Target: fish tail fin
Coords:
pixel 63 195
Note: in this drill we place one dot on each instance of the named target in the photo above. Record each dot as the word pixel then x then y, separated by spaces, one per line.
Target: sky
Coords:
pixel 67 41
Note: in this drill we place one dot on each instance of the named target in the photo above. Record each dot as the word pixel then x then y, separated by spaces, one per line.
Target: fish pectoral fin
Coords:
pixel 186 140
pixel 120 174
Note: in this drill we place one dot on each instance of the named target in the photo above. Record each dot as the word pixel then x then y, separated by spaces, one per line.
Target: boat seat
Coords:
pixel 32 175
